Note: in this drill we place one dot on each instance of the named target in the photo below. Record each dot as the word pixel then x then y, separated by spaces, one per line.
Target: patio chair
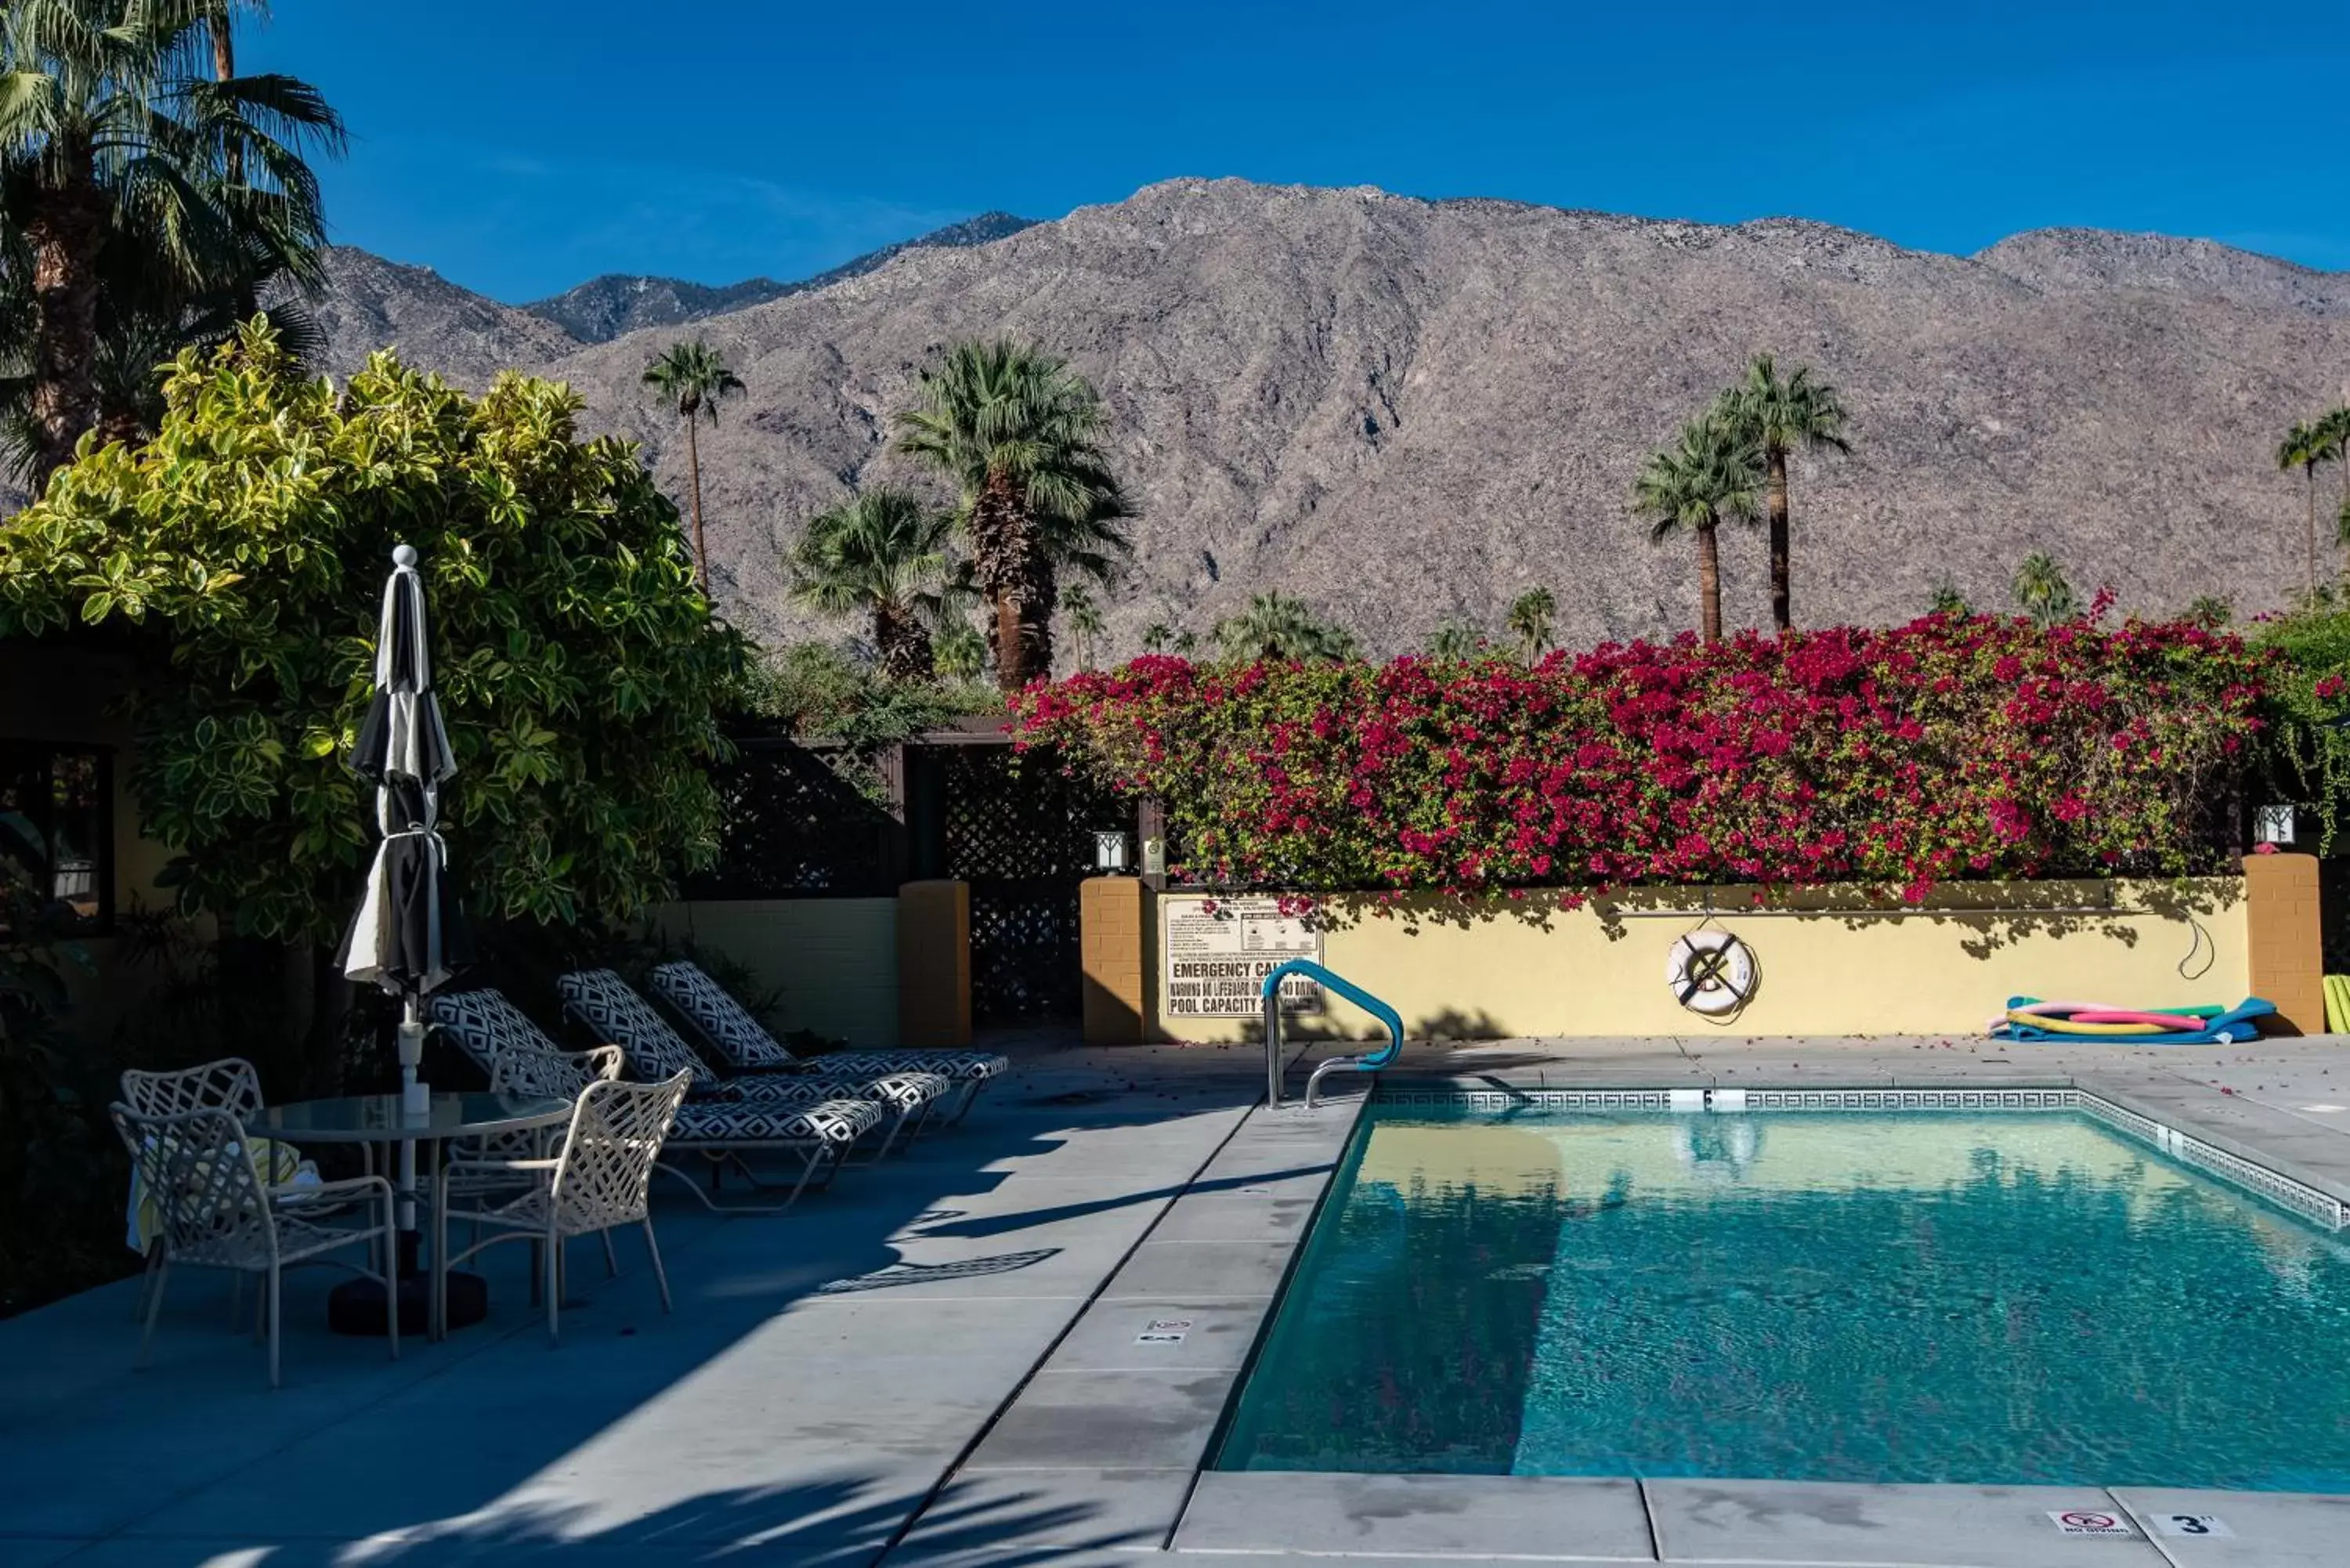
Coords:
pixel 231 1085
pixel 599 1177
pixel 488 1027
pixel 607 1004
pixel 746 1047
pixel 214 1210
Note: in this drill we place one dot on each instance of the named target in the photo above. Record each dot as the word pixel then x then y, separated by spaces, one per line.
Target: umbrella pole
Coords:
pixel 414 1101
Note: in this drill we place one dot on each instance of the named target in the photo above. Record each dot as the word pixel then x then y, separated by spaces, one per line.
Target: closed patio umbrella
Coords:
pixel 407 935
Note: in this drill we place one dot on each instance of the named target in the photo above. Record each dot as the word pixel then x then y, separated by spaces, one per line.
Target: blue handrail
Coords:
pixel 1371 1062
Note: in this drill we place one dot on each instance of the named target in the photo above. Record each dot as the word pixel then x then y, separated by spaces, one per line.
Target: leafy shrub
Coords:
pixel 2307 746
pixel 1953 747
pixel 241 555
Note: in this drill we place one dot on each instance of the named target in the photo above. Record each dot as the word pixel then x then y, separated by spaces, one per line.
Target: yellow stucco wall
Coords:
pixel 1533 970
pixel 834 960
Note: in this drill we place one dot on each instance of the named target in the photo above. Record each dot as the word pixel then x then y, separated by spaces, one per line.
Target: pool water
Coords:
pixel 1918 1297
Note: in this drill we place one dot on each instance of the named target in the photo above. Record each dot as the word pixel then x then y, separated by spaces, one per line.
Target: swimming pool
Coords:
pixel 1923 1296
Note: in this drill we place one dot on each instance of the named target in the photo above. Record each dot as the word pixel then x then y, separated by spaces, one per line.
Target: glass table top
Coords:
pixel 377 1118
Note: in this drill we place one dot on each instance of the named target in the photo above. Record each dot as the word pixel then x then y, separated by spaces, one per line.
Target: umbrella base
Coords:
pixel 356 1306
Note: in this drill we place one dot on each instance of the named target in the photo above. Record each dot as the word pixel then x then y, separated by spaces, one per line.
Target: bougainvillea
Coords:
pixel 1952 748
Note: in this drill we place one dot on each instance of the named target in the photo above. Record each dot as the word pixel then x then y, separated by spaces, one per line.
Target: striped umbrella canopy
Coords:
pixel 407 936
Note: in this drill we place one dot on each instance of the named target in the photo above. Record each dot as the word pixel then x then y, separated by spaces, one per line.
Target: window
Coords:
pixel 56 836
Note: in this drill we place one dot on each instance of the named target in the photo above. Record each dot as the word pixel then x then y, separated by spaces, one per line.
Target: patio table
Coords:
pixel 357 1306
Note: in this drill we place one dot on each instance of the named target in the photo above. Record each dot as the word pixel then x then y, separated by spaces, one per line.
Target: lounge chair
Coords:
pixel 606 1004
pixel 746 1047
pixel 490 1029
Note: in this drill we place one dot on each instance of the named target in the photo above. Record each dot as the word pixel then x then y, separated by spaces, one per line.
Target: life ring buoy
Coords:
pixel 1710 971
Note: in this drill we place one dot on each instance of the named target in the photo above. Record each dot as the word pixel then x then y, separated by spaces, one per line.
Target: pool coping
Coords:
pixel 1116 1425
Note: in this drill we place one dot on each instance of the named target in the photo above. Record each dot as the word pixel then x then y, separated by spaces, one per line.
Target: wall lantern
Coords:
pixel 2272 824
pixel 1109 852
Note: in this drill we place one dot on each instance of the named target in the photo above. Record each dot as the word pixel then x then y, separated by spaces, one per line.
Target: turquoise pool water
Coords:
pixel 1918 1297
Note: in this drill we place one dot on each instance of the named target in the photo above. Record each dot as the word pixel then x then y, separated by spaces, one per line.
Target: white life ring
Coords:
pixel 1710 971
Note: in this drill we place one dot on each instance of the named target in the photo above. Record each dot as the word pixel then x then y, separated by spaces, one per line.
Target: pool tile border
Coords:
pixel 2312 1203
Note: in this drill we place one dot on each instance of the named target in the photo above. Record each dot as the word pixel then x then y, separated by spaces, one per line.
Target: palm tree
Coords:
pixel 110 125
pixel 1779 416
pixel 1948 600
pixel 2209 611
pixel 2042 591
pixel 2305 447
pixel 883 554
pixel 1529 622
pixel 1454 641
pixel 693 378
pixel 1084 622
pixel 1157 636
pixel 958 652
pixel 1281 626
pixel 1021 432
pixel 1715 470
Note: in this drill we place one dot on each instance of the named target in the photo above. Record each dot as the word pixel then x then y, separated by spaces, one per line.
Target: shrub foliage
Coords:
pixel 1954 747
pixel 241 553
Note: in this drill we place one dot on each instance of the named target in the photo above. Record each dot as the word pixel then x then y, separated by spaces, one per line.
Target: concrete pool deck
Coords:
pixel 952 1359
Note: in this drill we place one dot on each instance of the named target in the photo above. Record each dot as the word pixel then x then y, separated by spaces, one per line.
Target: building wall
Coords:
pixel 1533 969
pixel 834 960
pixel 63 691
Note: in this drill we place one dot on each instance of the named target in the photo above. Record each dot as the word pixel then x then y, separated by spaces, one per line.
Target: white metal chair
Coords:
pixel 601 1178
pixel 214 1210
pixel 231 1085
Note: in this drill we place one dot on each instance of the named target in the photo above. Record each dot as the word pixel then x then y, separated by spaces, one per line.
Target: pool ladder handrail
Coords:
pixel 1369 1062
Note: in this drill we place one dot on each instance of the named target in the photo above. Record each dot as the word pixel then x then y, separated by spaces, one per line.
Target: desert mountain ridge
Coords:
pixel 1409 411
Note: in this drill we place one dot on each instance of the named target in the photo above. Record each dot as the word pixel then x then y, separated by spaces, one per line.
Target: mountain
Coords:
pixel 369 302
pixel 604 308
pixel 1411 411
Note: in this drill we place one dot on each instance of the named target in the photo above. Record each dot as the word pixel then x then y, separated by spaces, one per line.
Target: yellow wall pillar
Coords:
pixel 934 963
pixel 2283 940
pixel 1112 934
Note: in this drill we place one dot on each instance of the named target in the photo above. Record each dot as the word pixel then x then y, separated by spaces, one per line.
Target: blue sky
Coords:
pixel 520 146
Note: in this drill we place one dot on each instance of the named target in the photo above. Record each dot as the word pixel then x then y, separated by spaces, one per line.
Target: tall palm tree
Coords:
pixel 1084 622
pixel 1021 432
pixel 2333 432
pixel 2043 592
pixel 1281 626
pixel 2304 448
pixel 1780 416
pixel 1713 470
pixel 1157 636
pixel 1530 617
pixel 882 554
pixel 111 120
pixel 692 378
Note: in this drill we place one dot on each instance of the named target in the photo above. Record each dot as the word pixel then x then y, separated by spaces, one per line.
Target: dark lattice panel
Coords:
pixel 794 827
pixel 1021 835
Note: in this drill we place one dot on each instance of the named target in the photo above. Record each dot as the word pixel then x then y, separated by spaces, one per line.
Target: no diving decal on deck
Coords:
pixel 1164 1331
pixel 2088 1521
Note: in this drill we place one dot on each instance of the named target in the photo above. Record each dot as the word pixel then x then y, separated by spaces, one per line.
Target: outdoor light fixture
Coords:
pixel 2272 824
pixel 1109 852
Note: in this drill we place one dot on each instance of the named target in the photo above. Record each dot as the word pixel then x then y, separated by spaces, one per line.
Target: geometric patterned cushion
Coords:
pixel 605 1003
pixel 729 1027
pixel 902 1091
pixel 709 1122
pixel 484 1025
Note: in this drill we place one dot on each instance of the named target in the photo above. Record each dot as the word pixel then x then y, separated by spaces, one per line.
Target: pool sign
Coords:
pixel 2088 1521
pixel 1219 952
pixel 2190 1524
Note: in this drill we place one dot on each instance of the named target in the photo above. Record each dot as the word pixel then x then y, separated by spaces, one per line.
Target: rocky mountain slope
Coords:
pixel 1412 410
pixel 603 308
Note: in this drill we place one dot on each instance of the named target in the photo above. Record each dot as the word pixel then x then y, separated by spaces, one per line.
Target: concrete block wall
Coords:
pixel 1113 920
pixel 934 945
pixel 2284 939
pixel 833 960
